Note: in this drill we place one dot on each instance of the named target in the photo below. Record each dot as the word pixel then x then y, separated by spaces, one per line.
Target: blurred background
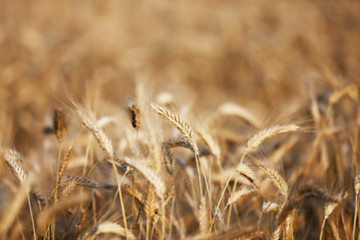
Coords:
pixel 256 53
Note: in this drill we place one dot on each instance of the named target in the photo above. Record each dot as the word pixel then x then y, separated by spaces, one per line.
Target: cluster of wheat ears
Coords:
pixel 200 183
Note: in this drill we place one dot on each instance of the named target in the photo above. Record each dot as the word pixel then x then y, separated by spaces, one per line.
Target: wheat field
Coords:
pixel 132 119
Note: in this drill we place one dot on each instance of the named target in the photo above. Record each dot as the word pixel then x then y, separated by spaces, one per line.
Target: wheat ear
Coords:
pixel 80 222
pixel 150 207
pixel 267 133
pixel 183 127
pixel 110 227
pixel 135 115
pixel 100 136
pixel 240 194
pixel 329 208
pixel 148 173
pixel 245 171
pixel 59 124
pixel 80 181
pixel 65 162
pixel 275 176
pixel 239 111
pixel 187 132
pixel 203 216
pixel 12 158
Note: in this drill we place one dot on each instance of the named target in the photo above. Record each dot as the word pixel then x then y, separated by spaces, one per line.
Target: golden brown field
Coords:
pixel 179 119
